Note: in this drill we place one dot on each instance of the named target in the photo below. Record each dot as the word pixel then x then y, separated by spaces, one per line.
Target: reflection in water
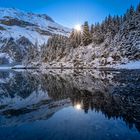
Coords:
pixel 27 97
pixel 78 106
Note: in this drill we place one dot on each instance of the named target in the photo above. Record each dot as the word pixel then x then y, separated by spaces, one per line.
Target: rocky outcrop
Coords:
pixel 16 50
pixel 15 22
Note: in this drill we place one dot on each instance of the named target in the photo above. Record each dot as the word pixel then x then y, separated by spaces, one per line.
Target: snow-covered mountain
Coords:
pixel 19 30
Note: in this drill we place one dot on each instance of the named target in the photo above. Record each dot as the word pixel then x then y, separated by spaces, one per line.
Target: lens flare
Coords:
pixel 77 27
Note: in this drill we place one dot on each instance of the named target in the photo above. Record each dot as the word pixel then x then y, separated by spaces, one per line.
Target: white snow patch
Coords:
pixel 5 55
pixel 17 32
pixel 4 67
pixel 130 65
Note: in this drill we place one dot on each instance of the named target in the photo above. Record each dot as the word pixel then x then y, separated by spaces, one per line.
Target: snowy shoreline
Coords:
pixel 128 66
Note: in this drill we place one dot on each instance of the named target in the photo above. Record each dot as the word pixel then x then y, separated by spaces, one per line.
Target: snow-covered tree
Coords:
pixel 116 39
pixel 92 29
pixel 55 48
pixel 138 9
pixel 98 34
pixel 31 56
pixel 75 39
pixel 86 36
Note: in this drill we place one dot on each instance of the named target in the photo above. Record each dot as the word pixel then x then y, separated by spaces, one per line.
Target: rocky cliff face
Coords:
pixel 20 31
pixel 15 49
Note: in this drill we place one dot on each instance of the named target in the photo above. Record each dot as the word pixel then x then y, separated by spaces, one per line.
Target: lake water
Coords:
pixel 70 105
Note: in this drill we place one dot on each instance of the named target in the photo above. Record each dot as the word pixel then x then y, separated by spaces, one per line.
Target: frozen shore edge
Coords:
pixel 129 66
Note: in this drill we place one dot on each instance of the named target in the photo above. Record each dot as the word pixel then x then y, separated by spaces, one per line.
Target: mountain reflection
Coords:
pixel 29 96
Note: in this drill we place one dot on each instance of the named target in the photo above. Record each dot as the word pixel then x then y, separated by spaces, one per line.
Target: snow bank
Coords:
pixel 130 65
pixel 4 67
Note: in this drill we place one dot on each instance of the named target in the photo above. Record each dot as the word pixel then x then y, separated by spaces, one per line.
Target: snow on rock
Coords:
pixel 17 32
pixel 5 58
pixel 91 57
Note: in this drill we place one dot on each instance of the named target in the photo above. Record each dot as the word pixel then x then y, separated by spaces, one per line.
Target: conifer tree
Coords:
pixel 75 38
pixel 92 29
pixel 86 36
pixel 132 11
pixel 138 9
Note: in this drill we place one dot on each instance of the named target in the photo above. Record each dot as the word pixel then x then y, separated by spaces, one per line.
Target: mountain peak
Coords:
pixel 18 25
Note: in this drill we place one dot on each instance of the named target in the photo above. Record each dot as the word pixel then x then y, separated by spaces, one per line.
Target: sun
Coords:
pixel 77 27
pixel 78 106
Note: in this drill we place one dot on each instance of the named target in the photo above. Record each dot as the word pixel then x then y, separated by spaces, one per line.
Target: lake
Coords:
pixel 69 105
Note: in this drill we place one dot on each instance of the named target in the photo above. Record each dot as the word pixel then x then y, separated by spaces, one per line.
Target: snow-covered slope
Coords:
pixel 35 27
pixel 19 30
pixel 114 42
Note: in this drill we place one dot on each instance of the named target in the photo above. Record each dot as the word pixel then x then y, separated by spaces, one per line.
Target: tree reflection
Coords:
pixel 115 94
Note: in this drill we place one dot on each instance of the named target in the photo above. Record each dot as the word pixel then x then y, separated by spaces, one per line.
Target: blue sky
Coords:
pixel 72 12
